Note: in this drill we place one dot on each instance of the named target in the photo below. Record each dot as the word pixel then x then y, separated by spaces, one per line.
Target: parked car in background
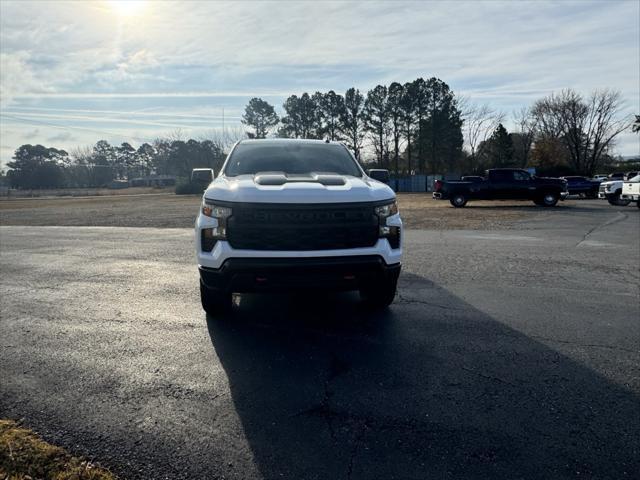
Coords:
pixel 599 176
pixel 631 190
pixel 582 186
pixel 504 184
pixel 611 191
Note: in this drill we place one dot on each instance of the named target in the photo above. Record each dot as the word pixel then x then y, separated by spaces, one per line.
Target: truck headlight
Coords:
pixel 392 234
pixel 215 211
pixel 384 211
pixel 210 236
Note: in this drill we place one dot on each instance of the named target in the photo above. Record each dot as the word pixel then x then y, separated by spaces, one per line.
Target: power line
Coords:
pixel 68 127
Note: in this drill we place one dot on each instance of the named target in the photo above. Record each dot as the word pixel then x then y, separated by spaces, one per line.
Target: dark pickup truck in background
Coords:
pixel 582 186
pixel 503 184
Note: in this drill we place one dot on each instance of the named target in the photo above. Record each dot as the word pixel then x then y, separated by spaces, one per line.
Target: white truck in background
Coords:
pixel 612 189
pixel 631 190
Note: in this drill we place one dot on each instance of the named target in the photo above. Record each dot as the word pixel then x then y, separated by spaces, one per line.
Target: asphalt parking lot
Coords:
pixel 508 354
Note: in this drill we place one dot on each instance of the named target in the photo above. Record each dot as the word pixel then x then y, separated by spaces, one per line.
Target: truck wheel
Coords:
pixel 549 199
pixel 617 201
pixel 379 295
pixel 214 301
pixel 458 200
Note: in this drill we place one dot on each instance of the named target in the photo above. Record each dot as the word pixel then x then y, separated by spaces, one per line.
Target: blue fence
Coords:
pixel 414 183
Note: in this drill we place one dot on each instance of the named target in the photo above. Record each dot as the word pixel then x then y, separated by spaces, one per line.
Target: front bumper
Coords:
pixel 289 274
pixel 564 195
pixel 223 251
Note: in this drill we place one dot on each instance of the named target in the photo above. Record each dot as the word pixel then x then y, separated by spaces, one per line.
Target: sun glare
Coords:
pixel 127 8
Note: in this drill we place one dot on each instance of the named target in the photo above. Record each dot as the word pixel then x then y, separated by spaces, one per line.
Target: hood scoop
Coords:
pixel 279 178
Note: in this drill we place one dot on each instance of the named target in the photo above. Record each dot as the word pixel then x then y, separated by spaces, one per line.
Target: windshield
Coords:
pixel 290 158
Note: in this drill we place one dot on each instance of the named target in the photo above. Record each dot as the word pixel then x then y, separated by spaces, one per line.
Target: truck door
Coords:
pixel 523 186
pixel 501 184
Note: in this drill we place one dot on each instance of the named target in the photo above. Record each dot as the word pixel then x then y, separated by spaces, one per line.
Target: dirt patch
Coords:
pixel 162 211
pixel 419 211
pixel 86 192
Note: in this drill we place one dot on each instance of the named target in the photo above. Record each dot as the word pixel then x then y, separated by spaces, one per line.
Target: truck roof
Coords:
pixel 289 140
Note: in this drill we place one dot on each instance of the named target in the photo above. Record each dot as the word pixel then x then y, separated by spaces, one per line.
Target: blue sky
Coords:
pixel 76 72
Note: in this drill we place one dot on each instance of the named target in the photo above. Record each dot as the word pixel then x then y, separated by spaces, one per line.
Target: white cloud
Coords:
pixel 16 76
pixel 87 56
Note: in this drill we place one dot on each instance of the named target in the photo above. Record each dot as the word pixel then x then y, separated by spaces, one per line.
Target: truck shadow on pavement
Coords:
pixel 431 388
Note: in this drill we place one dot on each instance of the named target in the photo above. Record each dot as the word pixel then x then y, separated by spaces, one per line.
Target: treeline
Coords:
pixel 411 127
pixel 420 127
pixel 415 127
pixel 36 166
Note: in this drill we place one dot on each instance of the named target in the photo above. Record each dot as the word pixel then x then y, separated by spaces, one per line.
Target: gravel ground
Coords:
pixel 418 211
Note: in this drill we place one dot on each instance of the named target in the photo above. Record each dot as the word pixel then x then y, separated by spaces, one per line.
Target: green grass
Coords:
pixel 24 456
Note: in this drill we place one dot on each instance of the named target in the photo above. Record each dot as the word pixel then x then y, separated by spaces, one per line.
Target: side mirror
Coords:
pixel 379 174
pixel 202 175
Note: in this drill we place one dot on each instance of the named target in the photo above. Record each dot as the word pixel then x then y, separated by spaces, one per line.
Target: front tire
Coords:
pixel 458 200
pixel 617 201
pixel 213 301
pixel 549 199
pixel 379 295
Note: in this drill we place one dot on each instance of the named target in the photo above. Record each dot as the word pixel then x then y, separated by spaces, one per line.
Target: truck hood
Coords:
pixel 278 188
pixel 612 183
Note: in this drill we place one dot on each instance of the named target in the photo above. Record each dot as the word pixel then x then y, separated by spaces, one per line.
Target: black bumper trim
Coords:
pixel 290 274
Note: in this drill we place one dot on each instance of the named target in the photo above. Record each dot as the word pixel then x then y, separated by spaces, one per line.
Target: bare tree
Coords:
pixel 394 104
pixel 636 125
pixel 376 118
pixel 588 127
pixel 526 130
pixel 352 121
pixel 82 155
pixel 224 140
pixel 480 121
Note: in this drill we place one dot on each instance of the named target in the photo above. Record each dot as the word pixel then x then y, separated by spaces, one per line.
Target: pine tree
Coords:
pixel 500 148
pixel 261 116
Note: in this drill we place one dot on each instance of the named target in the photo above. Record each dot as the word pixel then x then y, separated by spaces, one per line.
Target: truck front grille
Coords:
pixel 302 227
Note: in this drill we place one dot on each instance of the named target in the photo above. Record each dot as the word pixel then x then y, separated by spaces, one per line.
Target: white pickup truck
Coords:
pixel 297 214
pixel 631 190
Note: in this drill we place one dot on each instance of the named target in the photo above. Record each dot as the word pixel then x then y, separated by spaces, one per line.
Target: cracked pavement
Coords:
pixel 507 354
